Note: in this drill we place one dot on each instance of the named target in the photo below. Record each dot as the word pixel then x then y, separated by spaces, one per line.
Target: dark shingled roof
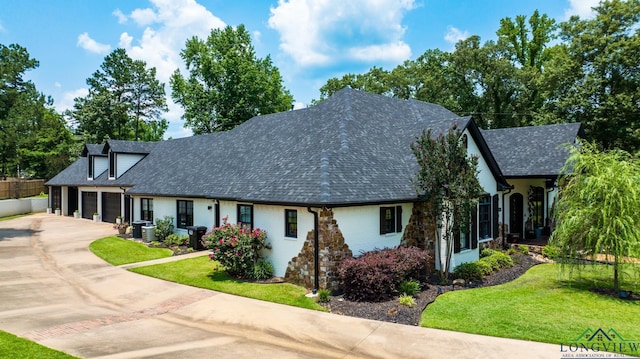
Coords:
pixel 534 151
pixel 353 148
pixel 127 147
pixel 92 149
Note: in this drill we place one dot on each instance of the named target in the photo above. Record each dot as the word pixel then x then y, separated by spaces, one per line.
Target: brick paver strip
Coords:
pixel 89 324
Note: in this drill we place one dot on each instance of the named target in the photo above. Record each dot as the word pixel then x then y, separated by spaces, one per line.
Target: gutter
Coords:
pixel 316 250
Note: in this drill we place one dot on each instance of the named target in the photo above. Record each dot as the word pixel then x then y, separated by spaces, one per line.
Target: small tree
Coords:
pixel 448 179
pixel 598 206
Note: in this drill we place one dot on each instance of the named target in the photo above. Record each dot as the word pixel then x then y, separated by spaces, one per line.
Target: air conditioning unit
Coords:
pixel 148 234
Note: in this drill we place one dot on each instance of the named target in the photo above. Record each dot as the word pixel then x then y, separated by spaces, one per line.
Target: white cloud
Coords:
pixel 91 45
pixel 167 26
pixel 256 36
pixel 122 18
pixel 57 84
pixel 454 35
pixel 2 29
pixel 332 31
pixel 67 99
pixel 582 8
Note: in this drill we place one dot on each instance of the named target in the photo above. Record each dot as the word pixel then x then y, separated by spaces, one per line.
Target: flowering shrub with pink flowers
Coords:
pixel 236 248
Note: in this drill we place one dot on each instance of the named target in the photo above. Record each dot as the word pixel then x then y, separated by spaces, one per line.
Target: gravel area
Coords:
pixel 392 311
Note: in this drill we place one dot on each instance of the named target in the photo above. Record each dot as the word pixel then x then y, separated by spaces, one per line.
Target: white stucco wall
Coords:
pixel 12 207
pixel 360 227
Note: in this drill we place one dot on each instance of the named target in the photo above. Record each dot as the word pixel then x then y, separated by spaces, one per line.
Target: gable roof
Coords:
pixel 121 146
pixel 533 151
pixel 353 148
pixel 92 150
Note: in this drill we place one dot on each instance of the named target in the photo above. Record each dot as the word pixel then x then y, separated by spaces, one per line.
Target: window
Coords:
pixel 185 213
pixel 484 217
pixel 536 200
pixel 112 165
pixel 146 207
pixel 464 241
pixel 390 219
pixel 291 223
pixel 245 216
pixel 90 167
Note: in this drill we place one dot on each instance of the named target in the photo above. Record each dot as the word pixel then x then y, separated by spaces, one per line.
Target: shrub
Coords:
pixel 262 270
pixel 175 239
pixel 485 267
pixel 523 249
pixel 469 271
pixel 164 227
pixel 407 300
pixel 487 252
pixel 237 249
pixel 409 287
pixel 504 261
pixel 550 251
pixel 376 275
pixel 492 262
pixel 324 295
pixel 511 251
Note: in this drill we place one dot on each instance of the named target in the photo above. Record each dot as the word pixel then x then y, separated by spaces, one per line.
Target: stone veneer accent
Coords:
pixel 421 230
pixel 332 250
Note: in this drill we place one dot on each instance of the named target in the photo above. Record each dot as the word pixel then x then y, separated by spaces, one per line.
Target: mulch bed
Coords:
pixel 392 311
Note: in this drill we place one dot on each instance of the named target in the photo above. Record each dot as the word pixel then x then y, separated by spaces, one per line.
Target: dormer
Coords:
pixel 122 155
pixel 97 163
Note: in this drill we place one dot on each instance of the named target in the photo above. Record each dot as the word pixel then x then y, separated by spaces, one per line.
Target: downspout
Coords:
pixel 504 235
pixel 316 249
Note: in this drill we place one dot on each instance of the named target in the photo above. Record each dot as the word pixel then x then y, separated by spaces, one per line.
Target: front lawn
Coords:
pixel 203 273
pixel 540 306
pixel 12 346
pixel 117 251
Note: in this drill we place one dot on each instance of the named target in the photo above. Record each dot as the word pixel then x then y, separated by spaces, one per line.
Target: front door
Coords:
pixel 515 214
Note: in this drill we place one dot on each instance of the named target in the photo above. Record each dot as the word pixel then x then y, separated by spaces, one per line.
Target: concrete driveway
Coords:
pixel 54 291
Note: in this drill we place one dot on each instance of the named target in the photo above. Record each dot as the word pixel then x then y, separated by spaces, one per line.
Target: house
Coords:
pixel 531 159
pixel 325 182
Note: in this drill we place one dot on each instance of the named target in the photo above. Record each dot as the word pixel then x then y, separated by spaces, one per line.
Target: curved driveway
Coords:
pixel 54 291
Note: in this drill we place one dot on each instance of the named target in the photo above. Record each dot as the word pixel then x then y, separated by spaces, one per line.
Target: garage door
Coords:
pixel 89 204
pixel 110 206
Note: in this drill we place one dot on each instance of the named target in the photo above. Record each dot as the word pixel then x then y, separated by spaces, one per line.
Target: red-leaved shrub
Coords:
pixel 376 275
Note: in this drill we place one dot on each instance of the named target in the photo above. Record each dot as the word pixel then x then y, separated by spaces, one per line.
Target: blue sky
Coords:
pixel 310 41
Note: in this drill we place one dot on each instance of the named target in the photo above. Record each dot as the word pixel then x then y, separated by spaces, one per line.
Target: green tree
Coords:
pixel 125 99
pixel 594 76
pixel 447 178
pixel 597 210
pixel 227 83
pixel 16 102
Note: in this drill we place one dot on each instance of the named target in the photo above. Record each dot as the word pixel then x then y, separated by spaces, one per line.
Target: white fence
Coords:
pixel 11 207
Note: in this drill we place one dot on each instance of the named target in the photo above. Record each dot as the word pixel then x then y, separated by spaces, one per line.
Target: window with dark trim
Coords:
pixel 245 216
pixel 146 209
pixel 112 165
pixel 90 167
pixel 185 213
pixel 536 197
pixel 484 217
pixel 291 223
pixel 390 219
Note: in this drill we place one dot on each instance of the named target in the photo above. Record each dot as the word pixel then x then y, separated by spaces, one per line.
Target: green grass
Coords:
pixel 543 305
pixel 118 251
pixel 13 347
pixel 14 216
pixel 203 273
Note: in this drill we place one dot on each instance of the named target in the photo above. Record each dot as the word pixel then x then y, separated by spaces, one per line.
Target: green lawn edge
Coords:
pixel 543 305
pixel 201 272
pixel 117 251
pixel 12 346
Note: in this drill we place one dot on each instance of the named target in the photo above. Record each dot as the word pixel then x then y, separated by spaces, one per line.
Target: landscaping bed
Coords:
pixel 392 311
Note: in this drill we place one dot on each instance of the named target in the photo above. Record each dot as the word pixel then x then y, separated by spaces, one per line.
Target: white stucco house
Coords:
pixel 342 167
